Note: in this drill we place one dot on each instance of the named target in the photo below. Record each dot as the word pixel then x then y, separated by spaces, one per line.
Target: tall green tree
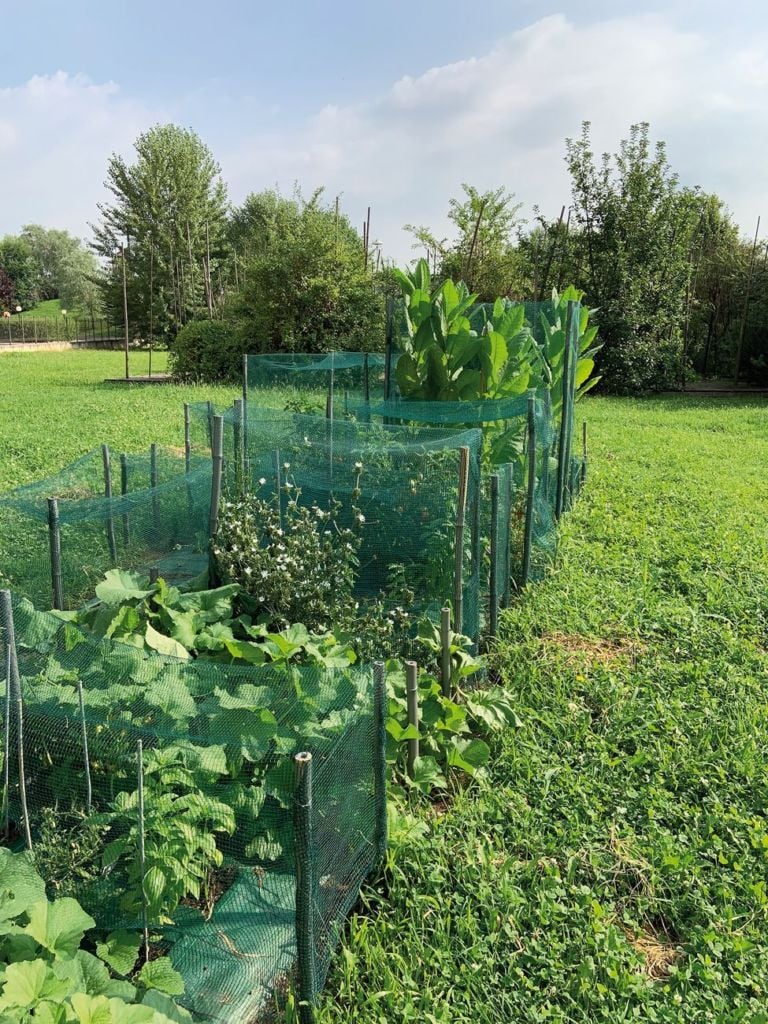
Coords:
pixel 303 280
pixel 483 252
pixel 637 227
pixel 17 262
pixel 165 227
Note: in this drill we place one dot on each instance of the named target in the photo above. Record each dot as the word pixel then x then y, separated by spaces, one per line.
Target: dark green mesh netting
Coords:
pixel 213 735
pixel 164 527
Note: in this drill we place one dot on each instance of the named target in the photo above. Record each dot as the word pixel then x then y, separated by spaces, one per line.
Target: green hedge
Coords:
pixel 209 350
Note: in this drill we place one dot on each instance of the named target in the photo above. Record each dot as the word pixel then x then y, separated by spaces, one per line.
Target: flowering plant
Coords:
pixel 294 562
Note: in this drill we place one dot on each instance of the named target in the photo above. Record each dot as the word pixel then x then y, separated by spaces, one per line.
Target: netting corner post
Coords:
pixel 217 469
pixel 380 767
pixel 583 453
pixel 458 566
pixel 530 495
pixel 123 491
pixel 493 582
pixel 106 459
pixel 306 945
pixel 565 414
pixel 506 594
pixel 54 541
pixel 14 679
pixel 209 421
pixel 412 700
pixel 153 481
pixel 445 652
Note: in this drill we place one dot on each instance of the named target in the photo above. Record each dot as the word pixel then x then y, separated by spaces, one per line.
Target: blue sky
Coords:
pixel 390 104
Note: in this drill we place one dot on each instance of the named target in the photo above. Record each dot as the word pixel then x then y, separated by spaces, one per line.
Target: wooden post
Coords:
pixel 412 696
pixel 6 617
pixel 380 776
pixel 305 886
pixel 530 497
pixel 493 587
pixel 111 541
pixel 54 540
pixel 458 567
pixel 445 651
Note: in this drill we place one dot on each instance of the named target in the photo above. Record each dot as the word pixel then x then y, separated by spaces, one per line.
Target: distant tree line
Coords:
pixel 676 289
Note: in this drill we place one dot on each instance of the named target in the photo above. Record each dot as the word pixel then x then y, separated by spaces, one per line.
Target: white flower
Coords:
pixel 360 517
pixel 262 481
pixel 358 465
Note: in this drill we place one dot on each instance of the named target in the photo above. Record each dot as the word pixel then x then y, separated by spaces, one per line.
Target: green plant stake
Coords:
pixel 7 744
pixel 54 540
pixel 445 651
pixel 217 468
pixel 187 439
pixel 6 617
pixel 107 463
pixel 142 852
pixel 238 448
pixel 493 583
pixel 153 485
pixel 278 486
pixel 86 759
pixel 584 453
pixel 565 415
pixel 530 497
pixel 461 511
pixel 506 593
pixel 123 492
pixel 380 780
pixel 412 695
pixel 305 886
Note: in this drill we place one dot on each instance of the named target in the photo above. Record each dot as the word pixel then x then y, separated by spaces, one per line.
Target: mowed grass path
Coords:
pixel 55 407
pixel 615 868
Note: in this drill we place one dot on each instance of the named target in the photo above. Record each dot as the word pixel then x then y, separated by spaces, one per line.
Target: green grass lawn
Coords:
pixel 615 867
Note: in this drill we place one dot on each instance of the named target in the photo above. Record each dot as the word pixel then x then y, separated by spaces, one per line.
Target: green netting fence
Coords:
pixel 268 782
pixel 339 380
pixel 144 512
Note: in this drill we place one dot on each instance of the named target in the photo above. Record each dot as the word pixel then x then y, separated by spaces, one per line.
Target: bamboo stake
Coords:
pixel 7 744
pixel 6 614
pixel 584 452
pixel 86 759
pixel 458 568
pixel 380 778
pixel 530 497
pixel 142 852
pixel 445 651
pixel 494 576
pixel 107 463
pixel 123 492
pixel 54 539
pixel 305 885
pixel 412 696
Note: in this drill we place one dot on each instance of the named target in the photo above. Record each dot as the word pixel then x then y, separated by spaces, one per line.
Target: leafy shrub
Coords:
pixel 45 975
pixel 208 350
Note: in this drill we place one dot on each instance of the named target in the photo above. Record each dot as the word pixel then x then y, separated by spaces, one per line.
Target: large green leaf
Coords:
pixel 58 927
pixel 120 950
pixel 161 975
pixel 164 644
pixel 119 586
pixel 20 884
pixel 28 983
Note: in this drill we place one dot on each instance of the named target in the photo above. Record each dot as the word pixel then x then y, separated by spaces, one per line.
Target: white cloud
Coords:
pixel 57 132
pixel 501 119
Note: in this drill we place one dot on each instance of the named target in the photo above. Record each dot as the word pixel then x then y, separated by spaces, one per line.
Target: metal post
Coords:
pixel 107 463
pixel 216 474
pixel 380 776
pixel 305 886
pixel 86 759
pixel 412 696
pixel 494 575
pixel 530 497
pixel 54 538
pixel 210 424
pixel 123 492
pixel 461 511
pixel 507 591
pixel 565 415
pixel 142 853
pixel 6 616
pixel 445 651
